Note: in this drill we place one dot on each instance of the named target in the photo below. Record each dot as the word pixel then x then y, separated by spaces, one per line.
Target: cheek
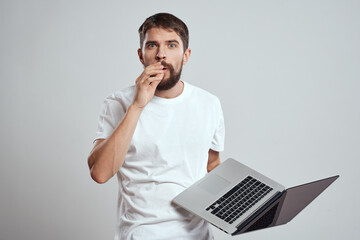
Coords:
pixel 178 60
pixel 148 57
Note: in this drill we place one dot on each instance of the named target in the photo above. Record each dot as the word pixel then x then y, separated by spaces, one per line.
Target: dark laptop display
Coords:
pixel 283 208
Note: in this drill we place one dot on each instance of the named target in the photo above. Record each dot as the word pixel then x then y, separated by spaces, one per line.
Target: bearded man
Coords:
pixel 159 137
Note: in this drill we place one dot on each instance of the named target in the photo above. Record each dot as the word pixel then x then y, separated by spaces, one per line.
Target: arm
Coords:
pixel 213 161
pixel 107 155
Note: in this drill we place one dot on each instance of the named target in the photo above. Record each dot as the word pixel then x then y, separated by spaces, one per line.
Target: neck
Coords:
pixel 172 92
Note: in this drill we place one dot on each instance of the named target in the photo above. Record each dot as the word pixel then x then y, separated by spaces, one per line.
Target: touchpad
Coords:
pixel 213 184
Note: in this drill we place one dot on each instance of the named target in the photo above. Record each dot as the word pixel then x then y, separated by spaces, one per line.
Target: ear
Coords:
pixel 141 57
pixel 187 54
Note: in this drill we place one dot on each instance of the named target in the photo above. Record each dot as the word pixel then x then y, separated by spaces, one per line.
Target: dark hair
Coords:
pixel 166 21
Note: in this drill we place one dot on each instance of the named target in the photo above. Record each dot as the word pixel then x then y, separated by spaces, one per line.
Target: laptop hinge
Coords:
pixel 258 212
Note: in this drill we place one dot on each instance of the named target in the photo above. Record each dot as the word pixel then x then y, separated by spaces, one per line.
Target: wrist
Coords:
pixel 134 108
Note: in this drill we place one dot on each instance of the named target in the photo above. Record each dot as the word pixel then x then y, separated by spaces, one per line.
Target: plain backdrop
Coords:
pixel 287 74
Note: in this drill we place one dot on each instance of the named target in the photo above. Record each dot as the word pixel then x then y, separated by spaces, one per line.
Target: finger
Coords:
pixel 150 71
pixel 153 66
pixel 155 78
pixel 148 81
pixel 152 74
pixel 153 71
pixel 155 83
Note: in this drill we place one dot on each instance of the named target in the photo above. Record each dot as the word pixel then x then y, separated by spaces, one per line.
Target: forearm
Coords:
pixel 107 158
pixel 214 160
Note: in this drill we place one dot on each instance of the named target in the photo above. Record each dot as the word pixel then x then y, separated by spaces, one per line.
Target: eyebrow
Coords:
pixel 173 41
pixel 168 41
pixel 150 42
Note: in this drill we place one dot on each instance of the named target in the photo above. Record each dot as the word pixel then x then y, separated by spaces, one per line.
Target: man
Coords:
pixel 159 136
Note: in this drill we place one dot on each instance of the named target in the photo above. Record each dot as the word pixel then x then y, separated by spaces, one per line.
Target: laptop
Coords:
pixel 237 199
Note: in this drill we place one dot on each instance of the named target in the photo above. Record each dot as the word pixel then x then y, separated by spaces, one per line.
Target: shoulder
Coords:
pixel 202 95
pixel 120 100
pixel 122 96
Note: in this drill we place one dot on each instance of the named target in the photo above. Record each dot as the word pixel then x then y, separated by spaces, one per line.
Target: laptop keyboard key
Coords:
pixel 239 199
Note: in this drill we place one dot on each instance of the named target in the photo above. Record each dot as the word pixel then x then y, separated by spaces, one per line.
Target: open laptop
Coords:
pixel 237 199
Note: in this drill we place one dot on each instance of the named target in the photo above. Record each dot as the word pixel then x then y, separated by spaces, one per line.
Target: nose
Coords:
pixel 160 55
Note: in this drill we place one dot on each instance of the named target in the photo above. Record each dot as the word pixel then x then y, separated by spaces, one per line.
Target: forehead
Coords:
pixel 161 34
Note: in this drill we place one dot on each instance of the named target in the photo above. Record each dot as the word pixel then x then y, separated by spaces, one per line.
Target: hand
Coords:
pixel 146 84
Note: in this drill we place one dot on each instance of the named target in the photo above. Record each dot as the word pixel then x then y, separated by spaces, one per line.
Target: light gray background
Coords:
pixel 287 74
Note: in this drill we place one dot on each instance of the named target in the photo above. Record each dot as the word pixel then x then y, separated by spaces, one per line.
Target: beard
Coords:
pixel 174 78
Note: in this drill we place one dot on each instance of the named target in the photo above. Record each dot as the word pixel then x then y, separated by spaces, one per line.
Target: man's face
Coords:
pixel 165 46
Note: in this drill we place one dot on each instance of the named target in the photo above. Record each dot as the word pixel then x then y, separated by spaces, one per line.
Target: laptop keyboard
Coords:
pixel 239 199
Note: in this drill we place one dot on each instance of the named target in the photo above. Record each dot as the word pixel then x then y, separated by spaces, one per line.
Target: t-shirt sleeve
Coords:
pixel 111 114
pixel 218 141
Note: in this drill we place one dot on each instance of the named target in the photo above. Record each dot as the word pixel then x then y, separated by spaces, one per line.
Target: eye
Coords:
pixel 151 45
pixel 172 45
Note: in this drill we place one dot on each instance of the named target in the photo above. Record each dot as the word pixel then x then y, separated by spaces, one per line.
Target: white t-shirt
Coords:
pixel 168 152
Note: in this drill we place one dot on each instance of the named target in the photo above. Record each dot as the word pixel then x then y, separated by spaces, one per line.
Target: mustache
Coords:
pixel 167 65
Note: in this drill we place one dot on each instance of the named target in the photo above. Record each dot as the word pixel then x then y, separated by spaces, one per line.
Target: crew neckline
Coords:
pixel 172 100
